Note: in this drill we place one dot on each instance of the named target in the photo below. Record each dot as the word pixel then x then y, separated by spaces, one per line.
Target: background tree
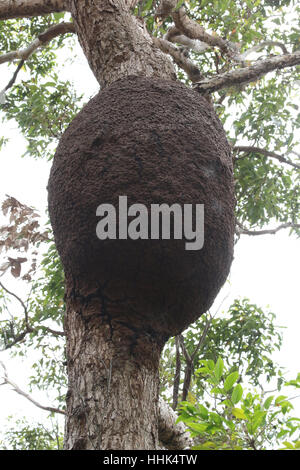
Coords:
pixel 218 61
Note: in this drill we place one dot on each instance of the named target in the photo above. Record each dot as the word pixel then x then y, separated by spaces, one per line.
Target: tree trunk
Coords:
pixel 112 400
pixel 116 43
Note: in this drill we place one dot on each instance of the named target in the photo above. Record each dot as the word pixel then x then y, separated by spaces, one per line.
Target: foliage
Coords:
pixel 245 337
pixel 59 103
pixel 263 114
pixel 42 104
pixel 226 406
pixel 237 419
pixel 32 437
pixel 41 317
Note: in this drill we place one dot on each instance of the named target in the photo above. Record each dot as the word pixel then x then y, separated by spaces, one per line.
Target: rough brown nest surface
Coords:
pixel 155 142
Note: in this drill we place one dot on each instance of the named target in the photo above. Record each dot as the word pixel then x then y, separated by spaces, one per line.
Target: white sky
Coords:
pixel 265 268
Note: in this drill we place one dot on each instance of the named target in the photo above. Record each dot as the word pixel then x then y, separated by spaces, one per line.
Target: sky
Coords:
pixel 265 268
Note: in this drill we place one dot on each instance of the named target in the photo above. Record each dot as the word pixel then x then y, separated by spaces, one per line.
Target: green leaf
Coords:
pixel 206 446
pixel 230 380
pixel 218 370
pixel 198 427
pixel 280 399
pixel 239 413
pixel 215 418
pixel 202 370
pixel 230 424
pixel 227 403
pixel 203 412
pixel 216 391
pixel 288 445
pixel 268 402
pixel 237 394
pixel 258 419
pixel 210 364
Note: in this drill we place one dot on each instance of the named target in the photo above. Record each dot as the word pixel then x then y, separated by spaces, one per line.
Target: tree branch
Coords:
pixel 180 58
pixel 262 152
pixel 23 54
pixel 190 360
pixel 20 301
pixel 174 35
pixel 165 8
pixel 16 388
pixel 172 435
pixel 22 335
pixel 194 30
pixel 177 374
pixel 259 46
pixel 28 329
pixel 10 9
pixel 247 74
pixel 190 33
pixel 41 40
pixel 188 370
pixel 11 82
pixel 243 231
pixel 131 4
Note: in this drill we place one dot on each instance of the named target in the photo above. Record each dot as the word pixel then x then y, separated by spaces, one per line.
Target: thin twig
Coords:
pixel 259 46
pixel 17 389
pixel 247 149
pixel 41 41
pixel 180 58
pixel 244 231
pixel 190 360
pixel 23 54
pixel 28 328
pixel 21 302
pixel 177 374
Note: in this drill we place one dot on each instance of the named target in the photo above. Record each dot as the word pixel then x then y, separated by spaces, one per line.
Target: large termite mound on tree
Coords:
pixel 155 142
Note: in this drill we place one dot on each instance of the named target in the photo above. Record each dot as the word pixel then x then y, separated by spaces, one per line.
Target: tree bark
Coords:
pixel 112 400
pixel 116 43
pixel 247 74
pixel 27 8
